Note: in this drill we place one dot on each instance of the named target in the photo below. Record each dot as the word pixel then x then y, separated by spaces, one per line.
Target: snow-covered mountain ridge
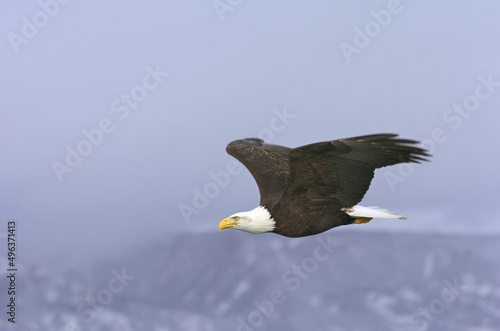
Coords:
pixel 339 280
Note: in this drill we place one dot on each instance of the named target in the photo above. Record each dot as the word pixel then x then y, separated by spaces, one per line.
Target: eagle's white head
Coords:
pixel 256 221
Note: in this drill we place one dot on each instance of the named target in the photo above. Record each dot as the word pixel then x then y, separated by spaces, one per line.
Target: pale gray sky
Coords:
pixel 169 84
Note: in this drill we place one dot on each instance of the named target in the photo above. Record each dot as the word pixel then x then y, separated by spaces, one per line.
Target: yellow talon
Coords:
pixel 362 220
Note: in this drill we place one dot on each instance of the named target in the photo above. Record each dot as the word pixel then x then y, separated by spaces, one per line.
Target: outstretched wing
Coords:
pixel 267 163
pixel 339 172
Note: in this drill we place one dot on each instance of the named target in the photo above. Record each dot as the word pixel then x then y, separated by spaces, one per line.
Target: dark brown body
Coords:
pixel 305 188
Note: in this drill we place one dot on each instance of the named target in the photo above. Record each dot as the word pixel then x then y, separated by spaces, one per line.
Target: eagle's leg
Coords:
pixel 361 220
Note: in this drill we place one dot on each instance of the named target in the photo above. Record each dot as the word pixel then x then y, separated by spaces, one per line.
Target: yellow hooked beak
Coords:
pixel 226 223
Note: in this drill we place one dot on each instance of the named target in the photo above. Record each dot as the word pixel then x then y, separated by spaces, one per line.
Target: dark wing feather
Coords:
pixel 339 172
pixel 267 163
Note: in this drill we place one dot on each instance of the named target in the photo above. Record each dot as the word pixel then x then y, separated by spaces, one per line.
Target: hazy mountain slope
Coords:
pixel 339 280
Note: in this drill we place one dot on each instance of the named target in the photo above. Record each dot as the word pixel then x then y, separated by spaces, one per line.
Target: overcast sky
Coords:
pixel 115 116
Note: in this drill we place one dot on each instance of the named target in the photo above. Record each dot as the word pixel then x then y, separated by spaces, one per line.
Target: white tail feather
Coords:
pixel 371 212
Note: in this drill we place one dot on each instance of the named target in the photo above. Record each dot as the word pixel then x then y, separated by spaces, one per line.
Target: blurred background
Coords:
pixel 114 122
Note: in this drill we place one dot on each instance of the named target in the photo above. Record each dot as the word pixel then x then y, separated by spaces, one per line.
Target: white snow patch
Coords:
pixel 222 308
pixel 407 294
pixel 383 304
pixel 242 287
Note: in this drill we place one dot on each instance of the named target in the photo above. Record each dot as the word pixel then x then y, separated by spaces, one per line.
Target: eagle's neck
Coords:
pixel 257 220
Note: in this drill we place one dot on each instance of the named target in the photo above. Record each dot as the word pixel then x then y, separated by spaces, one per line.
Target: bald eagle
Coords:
pixel 313 188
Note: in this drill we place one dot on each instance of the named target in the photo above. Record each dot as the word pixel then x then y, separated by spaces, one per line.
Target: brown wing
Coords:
pixel 267 163
pixel 338 173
